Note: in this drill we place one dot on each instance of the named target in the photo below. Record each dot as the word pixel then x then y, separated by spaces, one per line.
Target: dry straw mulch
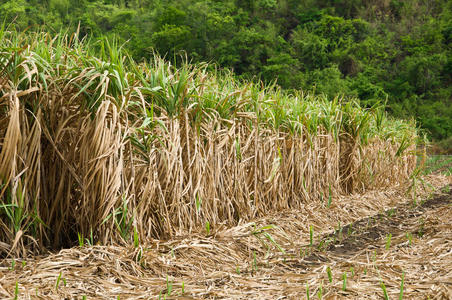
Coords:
pixel 241 262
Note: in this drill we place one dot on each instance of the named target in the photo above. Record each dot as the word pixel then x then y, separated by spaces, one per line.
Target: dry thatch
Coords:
pixel 244 262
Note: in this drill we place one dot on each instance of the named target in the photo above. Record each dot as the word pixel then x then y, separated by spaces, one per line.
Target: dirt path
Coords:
pixel 411 239
pixel 400 222
pixel 264 261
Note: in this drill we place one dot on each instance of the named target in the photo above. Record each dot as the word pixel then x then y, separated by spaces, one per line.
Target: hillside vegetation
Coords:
pixel 106 149
pixel 393 50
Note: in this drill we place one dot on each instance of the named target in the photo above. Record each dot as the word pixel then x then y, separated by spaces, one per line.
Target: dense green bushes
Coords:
pixel 399 51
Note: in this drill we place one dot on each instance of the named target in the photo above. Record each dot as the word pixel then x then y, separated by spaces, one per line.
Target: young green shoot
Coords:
pixel 307 291
pixel 136 240
pixel 320 246
pixel 339 230
pixel 257 232
pixel 16 291
pixel 320 292
pixel 391 212
pixel 89 241
pixel 81 241
pixel 350 230
pixel 207 228
pixel 409 236
pixel 330 274
pixel 330 196
pixel 254 261
pixel 344 281
pixel 139 255
pixel 198 203
pixel 169 286
pixel 385 292
pixel 388 241
pixel 302 252
pixel 420 232
pixel 402 283
pixel 57 285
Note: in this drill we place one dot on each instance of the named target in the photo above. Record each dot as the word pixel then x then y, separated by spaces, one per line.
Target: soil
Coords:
pixel 370 232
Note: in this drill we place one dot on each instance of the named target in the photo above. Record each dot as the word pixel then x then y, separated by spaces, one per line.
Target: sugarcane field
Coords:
pixel 126 179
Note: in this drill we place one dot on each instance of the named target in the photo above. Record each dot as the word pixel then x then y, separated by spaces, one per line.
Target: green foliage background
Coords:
pixel 377 50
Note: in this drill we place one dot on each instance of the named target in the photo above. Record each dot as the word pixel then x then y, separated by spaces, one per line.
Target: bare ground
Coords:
pixel 372 238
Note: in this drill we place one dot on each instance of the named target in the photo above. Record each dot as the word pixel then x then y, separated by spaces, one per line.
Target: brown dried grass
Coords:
pixel 207 265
